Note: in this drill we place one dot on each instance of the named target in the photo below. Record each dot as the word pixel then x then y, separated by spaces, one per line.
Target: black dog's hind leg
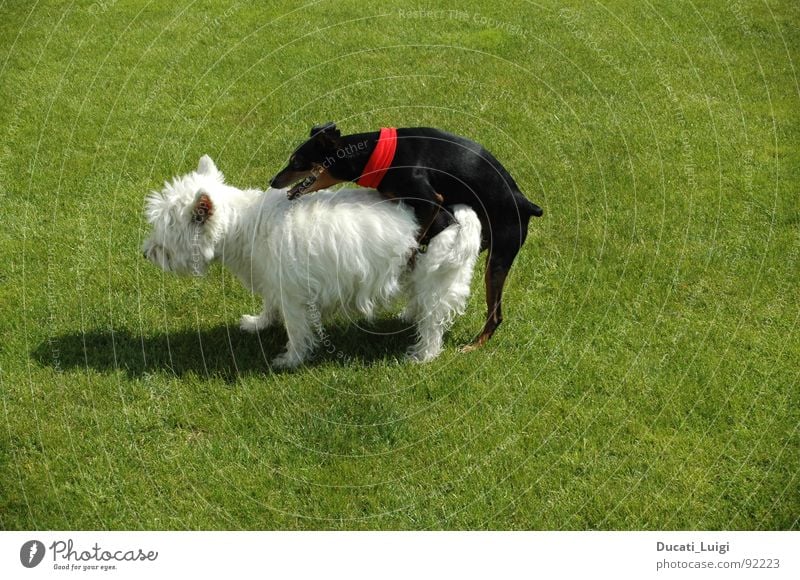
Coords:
pixel 502 251
pixel 496 274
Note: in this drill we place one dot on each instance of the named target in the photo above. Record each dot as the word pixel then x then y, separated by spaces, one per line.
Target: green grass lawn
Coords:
pixel 646 375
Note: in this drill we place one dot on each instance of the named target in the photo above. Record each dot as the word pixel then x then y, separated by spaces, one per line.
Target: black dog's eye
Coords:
pixel 296 163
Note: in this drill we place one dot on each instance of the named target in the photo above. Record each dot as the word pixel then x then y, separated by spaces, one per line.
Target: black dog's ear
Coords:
pixel 328 129
pixel 327 136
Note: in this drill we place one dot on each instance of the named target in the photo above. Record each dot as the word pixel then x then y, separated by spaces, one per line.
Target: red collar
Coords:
pixel 380 160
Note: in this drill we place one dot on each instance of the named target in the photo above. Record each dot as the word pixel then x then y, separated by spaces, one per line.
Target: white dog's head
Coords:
pixel 186 220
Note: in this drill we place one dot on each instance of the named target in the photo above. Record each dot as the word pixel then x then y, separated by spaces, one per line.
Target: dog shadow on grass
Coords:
pixel 223 352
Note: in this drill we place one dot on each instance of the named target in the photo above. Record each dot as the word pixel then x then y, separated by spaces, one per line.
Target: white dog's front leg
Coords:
pixel 302 339
pixel 250 323
pixel 429 341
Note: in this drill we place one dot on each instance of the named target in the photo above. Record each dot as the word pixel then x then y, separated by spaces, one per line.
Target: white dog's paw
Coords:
pixel 287 360
pixel 250 323
pixel 421 355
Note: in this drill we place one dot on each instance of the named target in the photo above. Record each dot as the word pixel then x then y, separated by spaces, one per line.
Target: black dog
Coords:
pixel 427 169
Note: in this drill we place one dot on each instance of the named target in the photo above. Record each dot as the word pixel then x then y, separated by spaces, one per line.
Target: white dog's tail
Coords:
pixel 467 244
pixel 441 280
pixel 456 245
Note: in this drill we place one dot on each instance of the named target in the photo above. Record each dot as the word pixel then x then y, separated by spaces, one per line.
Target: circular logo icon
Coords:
pixel 31 553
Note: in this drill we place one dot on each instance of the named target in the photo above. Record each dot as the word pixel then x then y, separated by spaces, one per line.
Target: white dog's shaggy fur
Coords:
pixel 344 251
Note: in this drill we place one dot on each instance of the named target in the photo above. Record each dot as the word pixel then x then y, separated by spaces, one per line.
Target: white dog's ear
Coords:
pixel 203 209
pixel 206 167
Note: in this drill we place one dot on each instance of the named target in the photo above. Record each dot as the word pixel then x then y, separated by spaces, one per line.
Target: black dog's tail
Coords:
pixel 528 207
pixel 535 210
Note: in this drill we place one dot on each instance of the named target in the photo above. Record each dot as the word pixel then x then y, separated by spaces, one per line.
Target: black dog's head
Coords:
pixel 310 164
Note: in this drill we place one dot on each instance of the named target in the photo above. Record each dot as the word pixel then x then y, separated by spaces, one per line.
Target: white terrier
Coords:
pixel 345 251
